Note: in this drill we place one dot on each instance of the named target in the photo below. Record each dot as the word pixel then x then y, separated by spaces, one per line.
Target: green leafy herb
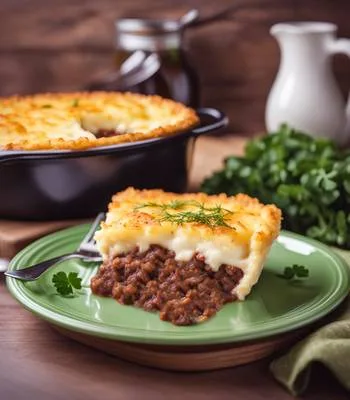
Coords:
pixel 174 204
pixel 47 106
pixel 65 283
pixel 178 212
pixel 75 103
pixel 295 271
pixel 309 179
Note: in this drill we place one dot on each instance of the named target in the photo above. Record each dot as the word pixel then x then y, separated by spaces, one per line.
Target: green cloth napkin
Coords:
pixel 329 345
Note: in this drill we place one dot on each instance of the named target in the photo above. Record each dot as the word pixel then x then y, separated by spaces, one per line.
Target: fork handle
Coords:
pixel 33 273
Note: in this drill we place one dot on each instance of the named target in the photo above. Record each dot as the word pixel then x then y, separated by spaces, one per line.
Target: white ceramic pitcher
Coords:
pixel 305 94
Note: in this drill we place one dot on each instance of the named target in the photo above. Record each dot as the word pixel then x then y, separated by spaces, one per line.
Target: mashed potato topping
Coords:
pixel 74 121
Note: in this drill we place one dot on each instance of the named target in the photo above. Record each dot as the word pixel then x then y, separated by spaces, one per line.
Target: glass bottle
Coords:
pixel 175 78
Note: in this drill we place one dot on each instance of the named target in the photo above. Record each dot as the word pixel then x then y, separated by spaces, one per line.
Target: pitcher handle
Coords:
pixel 341 46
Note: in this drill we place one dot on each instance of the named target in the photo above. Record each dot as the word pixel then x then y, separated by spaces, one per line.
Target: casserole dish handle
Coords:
pixel 216 118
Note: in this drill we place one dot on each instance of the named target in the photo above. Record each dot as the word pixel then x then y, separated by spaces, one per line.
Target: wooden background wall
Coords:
pixel 58 45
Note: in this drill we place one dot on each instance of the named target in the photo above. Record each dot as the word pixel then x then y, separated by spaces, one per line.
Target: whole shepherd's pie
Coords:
pixel 77 121
pixel 184 255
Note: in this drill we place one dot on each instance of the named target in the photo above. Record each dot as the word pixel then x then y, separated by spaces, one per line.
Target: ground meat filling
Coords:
pixel 107 133
pixel 184 293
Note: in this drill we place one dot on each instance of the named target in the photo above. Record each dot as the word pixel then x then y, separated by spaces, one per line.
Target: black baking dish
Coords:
pixel 64 184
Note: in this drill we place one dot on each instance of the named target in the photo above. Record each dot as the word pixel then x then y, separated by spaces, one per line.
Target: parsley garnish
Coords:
pixel 75 103
pixel 308 178
pixel 47 106
pixel 211 216
pixel 64 283
pixel 295 271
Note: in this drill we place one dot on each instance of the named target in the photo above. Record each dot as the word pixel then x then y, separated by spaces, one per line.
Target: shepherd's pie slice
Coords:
pixel 184 255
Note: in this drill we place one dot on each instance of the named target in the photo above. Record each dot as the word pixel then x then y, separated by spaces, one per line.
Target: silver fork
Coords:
pixel 86 251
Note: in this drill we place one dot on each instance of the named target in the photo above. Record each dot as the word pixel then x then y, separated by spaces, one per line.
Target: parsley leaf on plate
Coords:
pixel 74 280
pixel 64 283
pixel 295 271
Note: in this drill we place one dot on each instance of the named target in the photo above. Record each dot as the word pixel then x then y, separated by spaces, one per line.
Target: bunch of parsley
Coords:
pixel 309 179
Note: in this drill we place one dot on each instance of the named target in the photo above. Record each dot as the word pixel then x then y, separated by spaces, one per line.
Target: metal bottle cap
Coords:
pixel 147 34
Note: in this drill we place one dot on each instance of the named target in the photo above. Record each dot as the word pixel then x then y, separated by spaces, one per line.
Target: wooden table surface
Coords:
pixel 38 363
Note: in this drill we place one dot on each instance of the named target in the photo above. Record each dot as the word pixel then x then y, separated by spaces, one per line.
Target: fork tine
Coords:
pixel 35 271
pixel 88 238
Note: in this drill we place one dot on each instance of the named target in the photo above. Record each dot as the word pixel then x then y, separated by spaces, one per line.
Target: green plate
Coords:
pixel 274 305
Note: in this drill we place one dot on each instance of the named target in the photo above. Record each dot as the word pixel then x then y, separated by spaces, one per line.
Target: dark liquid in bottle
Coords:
pixel 175 79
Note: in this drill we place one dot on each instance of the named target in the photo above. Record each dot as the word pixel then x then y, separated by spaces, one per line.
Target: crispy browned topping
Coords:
pixel 78 121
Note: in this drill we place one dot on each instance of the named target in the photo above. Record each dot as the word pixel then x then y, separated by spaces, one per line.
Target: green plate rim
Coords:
pixel 321 309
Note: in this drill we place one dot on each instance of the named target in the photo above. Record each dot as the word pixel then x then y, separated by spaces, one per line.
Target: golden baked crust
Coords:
pixel 69 121
pixel 125 208
pixel 140 218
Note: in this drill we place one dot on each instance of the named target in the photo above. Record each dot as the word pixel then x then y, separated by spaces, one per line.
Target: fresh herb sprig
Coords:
pixel 176 213
pixel 75 103
pixel 171 205
pixel 308 178
pixel 294 272
pixel 65 283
